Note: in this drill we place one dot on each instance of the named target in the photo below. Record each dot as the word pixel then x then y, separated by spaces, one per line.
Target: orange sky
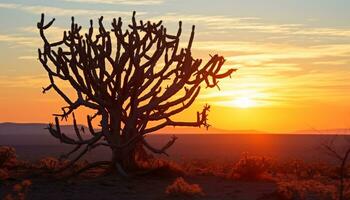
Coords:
pixel 293 70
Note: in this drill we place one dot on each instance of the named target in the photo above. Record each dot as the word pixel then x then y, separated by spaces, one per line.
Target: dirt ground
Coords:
pixel 140 188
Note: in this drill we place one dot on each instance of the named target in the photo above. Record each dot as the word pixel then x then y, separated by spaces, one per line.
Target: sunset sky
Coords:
pixel 292 56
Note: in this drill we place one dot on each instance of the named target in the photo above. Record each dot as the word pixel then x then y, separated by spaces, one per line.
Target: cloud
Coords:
pixel 219 24
pixel 54 33
pixel 268 87
pixel 9 5
pixel 292 52
pixel 126 2
pixel 29 81
pixel 266 54
pixel 20 39
pixel 299 91
pixel 28 57
pixel 272 74
pixel 28 37
pixel 250 53
pixel 225 24
pixel 57 11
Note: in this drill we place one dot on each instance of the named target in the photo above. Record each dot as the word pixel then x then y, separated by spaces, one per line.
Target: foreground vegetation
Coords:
pixel 294 179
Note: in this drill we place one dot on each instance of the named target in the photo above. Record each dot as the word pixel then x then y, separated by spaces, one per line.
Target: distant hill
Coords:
pixel 9 128
pixel 203 130
pixel 29 134
pixel 338 131
pixel 36 134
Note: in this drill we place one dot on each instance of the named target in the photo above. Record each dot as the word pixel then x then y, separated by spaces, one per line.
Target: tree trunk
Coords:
pixel 126 160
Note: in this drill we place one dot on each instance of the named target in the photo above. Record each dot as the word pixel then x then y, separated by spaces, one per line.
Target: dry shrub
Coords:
pixel 19 191
pixel 163 168
pixel 80 164
pixel 4 174
pixel 9 165
pixel 52 163
pixel 304 170
pixel 8 158
pixel 49 163
pixel 250 168
pixel 181 188
pixel 306 189
pixel 207 168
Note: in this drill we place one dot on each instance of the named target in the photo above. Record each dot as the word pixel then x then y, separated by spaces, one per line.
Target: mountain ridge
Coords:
pixel 28 128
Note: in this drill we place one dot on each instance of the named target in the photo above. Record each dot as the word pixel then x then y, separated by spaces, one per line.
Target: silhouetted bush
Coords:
pixel 49 163
pixel 303 170
pixel 250 168
pixel 163 168
pixel 181 188
pixel 8 157
pixel 207 167
pixel 4 174
pixel 306 189
pixel 19 191
pixel 9 162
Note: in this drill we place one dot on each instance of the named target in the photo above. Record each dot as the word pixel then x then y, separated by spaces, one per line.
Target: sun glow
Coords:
pixel 244 102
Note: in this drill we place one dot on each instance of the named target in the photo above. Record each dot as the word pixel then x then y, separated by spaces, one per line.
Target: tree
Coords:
pixel 135 81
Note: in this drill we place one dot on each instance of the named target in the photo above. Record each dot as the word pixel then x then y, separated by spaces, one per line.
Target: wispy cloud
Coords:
pixel 19 39
pixel 270 72
pixel 223 24
pixel 228 24
pixel 8 5
pixel 59 11
pixel 292 52
pixel 276 90
pixel 28 57
pixel 273 54
pixel 281 74
pixel 126 2
pixel 29 81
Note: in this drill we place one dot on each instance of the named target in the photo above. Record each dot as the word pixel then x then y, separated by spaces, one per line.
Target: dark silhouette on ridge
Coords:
pixel 143 78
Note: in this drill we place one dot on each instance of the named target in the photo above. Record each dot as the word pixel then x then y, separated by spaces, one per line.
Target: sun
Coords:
pixel 244 102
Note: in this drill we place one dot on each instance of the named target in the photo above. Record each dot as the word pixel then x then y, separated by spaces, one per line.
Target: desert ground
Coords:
pixel 250 177
pixel 141 188
pixel 204 166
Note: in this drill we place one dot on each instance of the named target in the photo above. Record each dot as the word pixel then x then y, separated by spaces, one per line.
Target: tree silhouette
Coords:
pixel 135 81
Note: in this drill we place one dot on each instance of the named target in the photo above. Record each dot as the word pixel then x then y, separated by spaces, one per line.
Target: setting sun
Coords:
pixel 244 102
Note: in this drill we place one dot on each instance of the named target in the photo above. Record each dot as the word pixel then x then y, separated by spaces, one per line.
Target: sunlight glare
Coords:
pixel 243 102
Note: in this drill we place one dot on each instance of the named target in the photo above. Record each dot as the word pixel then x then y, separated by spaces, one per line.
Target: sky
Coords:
pixel 292 56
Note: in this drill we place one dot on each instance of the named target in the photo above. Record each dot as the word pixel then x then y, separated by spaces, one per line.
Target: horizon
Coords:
pixel 204 131
pixel 292 58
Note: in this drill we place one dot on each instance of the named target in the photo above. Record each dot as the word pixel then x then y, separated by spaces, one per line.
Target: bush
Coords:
pixel 49 163
pixel 181 188
pixel 19 191
pixel 163 168
pixel 207 168
pixel 304 170
pixel 304 189
pixel 8 157
pixel 4 174
pixel 250 168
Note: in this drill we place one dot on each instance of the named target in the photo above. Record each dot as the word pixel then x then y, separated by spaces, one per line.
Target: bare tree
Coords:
pixel 135 81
